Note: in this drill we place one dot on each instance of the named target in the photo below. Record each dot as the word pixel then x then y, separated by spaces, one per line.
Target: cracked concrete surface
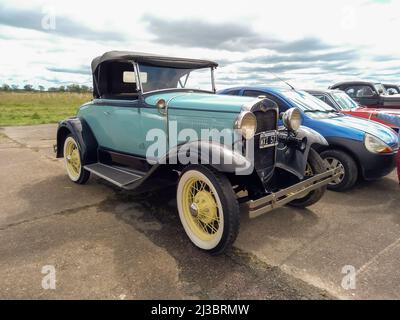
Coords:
pixel 109 244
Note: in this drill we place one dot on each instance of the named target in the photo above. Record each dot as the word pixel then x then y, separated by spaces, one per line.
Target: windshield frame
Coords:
pixel 136 67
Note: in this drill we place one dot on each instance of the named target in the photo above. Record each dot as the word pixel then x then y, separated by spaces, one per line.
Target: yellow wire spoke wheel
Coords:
pixel 72 159
pixel 200 209
pixel 309 171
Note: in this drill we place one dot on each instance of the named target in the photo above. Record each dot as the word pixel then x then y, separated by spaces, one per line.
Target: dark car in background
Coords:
pixel 392 88
pixel 361 148
pixel 369 94
pixel 344 104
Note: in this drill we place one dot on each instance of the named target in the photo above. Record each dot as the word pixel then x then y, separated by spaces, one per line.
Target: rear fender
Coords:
pixel 82 133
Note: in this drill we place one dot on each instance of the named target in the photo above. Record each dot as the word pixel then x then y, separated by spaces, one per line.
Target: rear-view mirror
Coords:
pixel 130 77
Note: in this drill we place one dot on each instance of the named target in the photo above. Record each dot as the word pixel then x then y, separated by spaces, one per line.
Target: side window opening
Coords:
pixel 117 80
pixel 365 91
pixel 233 93
pixel 351 92
pixel 360 91
pixel 253 93
pixel 281 105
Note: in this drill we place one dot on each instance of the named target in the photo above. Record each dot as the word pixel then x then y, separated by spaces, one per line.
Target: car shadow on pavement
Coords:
pixel 52 195
pixel 233 275
pixel 229 276
pixel 277 226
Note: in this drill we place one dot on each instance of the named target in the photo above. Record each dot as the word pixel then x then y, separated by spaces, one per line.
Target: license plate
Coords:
pixel 267 139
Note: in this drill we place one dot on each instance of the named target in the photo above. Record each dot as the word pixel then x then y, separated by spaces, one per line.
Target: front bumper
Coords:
pixel 284 196
pixel 376 166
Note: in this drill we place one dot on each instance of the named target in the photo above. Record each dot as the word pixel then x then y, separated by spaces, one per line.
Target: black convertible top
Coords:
pixel 352 83
pixel 151 59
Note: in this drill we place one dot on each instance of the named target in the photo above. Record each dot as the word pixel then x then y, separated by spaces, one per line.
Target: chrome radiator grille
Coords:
pixel 264 159
pixel 266 121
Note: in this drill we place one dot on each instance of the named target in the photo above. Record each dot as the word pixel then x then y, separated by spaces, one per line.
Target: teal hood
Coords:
pixel 201 101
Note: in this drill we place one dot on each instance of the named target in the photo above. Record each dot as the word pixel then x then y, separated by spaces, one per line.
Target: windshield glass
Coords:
pixel 160 78
pixel 307 102
pixel 344 101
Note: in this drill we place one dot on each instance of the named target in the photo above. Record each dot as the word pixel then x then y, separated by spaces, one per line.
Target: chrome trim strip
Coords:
pixel 137 73
pixel 214 89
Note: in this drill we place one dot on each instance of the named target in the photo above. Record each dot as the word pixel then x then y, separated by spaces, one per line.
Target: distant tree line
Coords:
pixel 30 88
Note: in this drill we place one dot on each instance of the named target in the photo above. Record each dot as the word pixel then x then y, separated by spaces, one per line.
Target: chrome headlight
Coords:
pixel 246 123
pixel 292 119
pixel 376 145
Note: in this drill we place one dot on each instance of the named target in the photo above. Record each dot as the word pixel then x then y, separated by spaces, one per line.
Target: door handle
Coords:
pixel 107 113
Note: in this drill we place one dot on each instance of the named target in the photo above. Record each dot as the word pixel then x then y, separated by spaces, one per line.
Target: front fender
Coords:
pixel 313 136
pixel 82 133
pixel 217 155
pixel 294 160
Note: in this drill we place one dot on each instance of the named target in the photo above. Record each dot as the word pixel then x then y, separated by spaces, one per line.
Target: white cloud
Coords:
pixel 290 33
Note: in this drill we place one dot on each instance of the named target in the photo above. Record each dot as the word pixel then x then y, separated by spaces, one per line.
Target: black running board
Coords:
pixel 120 177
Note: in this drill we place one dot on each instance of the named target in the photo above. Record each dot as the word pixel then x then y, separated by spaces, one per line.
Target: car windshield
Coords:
pixel 344 101
pixel 307 102
pixel 160 78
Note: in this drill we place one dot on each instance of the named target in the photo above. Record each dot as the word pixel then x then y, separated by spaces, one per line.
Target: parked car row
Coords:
pixel 340 101
pixel 373 95
pixel 156 121
pixel 362 149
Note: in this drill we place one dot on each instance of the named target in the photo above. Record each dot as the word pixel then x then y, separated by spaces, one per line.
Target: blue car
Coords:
pixel 362 148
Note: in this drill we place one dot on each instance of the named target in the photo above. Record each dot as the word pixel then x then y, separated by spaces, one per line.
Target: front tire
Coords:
pixel 208 208
pixel 73 162
pixel 340 159
pixel 315 165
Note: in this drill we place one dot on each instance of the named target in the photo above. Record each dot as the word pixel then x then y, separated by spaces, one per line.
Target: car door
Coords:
pixel 122 126
pixel 116 125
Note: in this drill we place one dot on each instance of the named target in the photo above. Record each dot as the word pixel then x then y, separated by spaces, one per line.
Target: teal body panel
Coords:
pixel 191 114
pixel 189 125
pixel 201 101
pixel 123 126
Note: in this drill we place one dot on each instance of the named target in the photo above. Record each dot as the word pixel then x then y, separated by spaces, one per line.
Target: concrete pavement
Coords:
pixel 108 244
pixel 105 243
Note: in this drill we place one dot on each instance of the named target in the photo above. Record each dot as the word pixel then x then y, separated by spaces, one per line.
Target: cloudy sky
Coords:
pixel 310 43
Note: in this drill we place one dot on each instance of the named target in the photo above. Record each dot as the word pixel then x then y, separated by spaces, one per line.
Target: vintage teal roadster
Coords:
pixel 156 121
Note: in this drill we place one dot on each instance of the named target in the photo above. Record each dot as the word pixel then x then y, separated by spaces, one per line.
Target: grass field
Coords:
pixel 25 108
